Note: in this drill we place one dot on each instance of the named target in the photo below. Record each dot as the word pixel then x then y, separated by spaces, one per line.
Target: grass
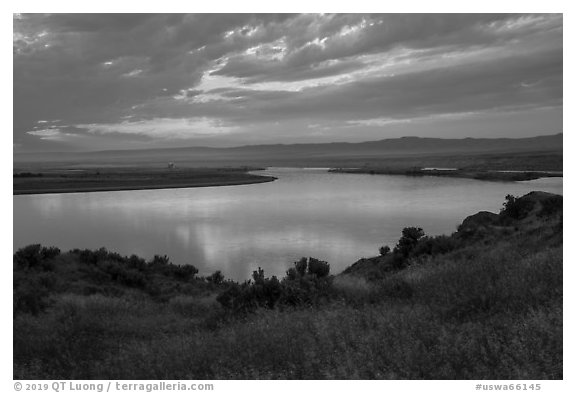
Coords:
pixel 58 180
pixel 490 308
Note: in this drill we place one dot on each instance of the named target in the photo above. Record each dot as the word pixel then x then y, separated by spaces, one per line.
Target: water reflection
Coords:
pixel 336 217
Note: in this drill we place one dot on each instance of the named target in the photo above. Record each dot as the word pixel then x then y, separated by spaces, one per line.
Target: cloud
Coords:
pixel 52 134
pixel 164 128
pixel 175 75
pixel 379 122
pixel 315 41
pixel 133 73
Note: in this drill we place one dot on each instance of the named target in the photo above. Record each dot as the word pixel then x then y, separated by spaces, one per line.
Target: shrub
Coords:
pixel 516 208
pixel 49 252
pixel 34 256
pixel 92 257
pixel 384 250
pixel 160 260
pixel 122 274
pixel 434 245
pixel 306 290
pixel 261 292
pixel 398 260
pixel 136 262
pixel 311 266
pixel 216 278
pixel 185 272
pixel 228 298
pixel 305 284
pixel 292 274
pixel 301 266
pixel 29 256
pixel 409 240
pixel 318 268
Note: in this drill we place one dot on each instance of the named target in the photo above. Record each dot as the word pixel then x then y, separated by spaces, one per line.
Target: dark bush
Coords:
pixel 301 266
pixel 398 261
pixel 132 278
pixel 318 268
pixel 122 274
pixel 299 292
pixel 292 274
pixel 306 291
pixel 409 240
pixel 92 257
pixel 311 266
pixel 160 260
pixel 136 262
pixel 29 256
pixel 49 252
pixel 216 278
pixel 259 292
pixel 305 284
pixel 35 256
pixel 516 208
pixel 384 250
pixel 229 299
pixel 185 272
pixel 434 246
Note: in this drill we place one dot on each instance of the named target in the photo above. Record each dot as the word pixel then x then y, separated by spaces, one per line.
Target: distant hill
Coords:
pixel 299 154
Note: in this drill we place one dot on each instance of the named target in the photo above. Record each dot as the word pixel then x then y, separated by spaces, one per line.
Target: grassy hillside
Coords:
pixel 483 303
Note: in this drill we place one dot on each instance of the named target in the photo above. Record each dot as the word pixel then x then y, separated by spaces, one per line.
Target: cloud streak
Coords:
pixel 166 128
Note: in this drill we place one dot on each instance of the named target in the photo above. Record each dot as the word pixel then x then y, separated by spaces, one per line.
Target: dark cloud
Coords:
pixel 514 82
pixel 312 41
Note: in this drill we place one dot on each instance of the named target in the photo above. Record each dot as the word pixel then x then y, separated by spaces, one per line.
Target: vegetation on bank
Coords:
pixel 477 174
pixel 483 303
pixel 137 178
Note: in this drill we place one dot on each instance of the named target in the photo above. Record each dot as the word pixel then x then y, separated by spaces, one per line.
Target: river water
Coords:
pixel 306 212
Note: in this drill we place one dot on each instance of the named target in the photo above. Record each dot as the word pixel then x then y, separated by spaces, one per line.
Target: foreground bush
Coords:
pixel 516 208
pixel 307 283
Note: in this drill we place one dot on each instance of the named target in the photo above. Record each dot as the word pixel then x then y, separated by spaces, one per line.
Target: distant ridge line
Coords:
pixel 403 142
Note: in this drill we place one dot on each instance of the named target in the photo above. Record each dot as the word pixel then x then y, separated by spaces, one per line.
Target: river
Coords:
pixel 306 212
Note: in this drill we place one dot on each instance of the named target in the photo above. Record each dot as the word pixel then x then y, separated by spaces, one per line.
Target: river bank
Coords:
pixel 491 175
pixel 124 179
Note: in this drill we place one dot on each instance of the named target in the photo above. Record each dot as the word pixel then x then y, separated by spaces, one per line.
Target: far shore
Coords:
pixel 54 182
pixel 491 175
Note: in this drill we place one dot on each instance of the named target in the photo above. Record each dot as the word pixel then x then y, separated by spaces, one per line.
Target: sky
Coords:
pixel 135 81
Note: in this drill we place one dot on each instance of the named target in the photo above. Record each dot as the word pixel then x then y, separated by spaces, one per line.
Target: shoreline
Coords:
pixel 257 179
pixel 486 175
